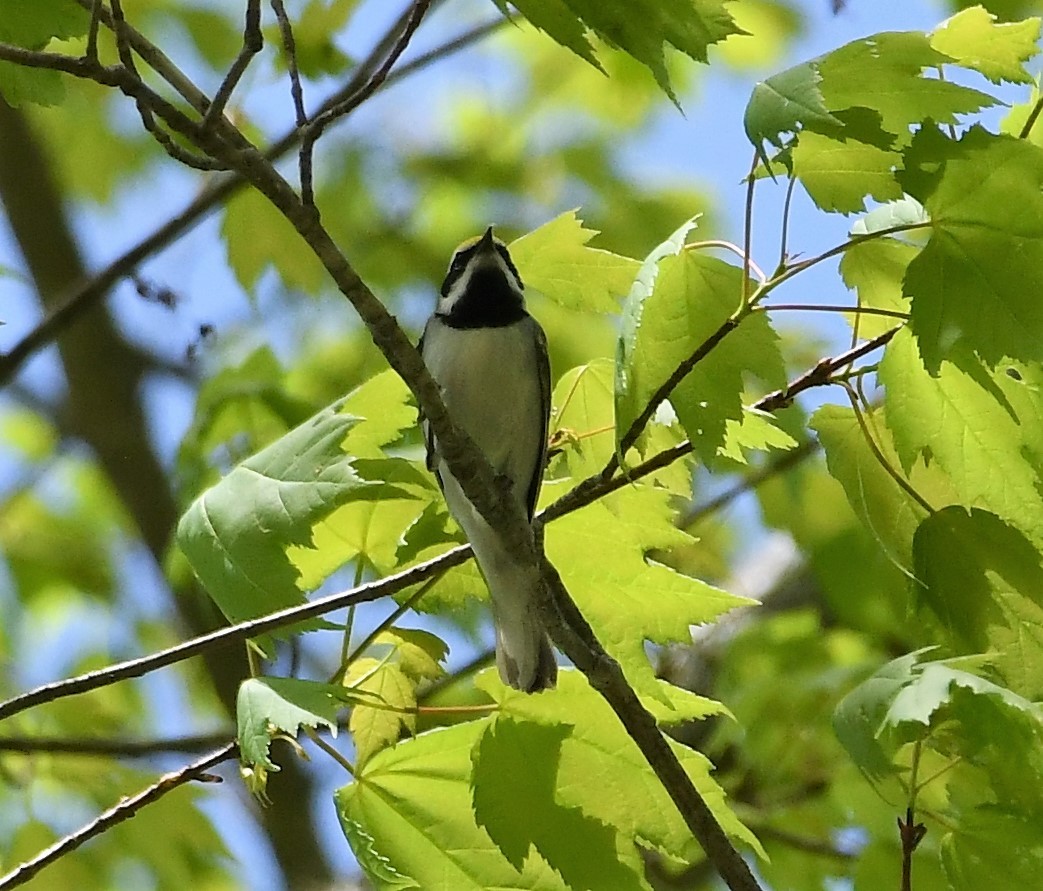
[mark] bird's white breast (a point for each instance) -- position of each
(491, 385)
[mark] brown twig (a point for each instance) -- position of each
(127, 808)
(111, 748)
(300, 116)
(596, 486)
(144, 105)
(317, 126)
(253, 43)
(134, 668)
(212, 196)
(576, 639)
(91, 50)
(1030, 121)
(911, 834)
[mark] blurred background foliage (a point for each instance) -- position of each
(231, 335)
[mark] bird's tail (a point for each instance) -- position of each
(523, 652)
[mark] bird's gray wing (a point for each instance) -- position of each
(429, 438)
(543, 370)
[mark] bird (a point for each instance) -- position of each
(489, 358)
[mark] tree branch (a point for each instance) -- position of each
(134, 668)
(91, 293)
(575, 637)
(597, 485)
(253, 42)
(109, 748)
(317, 126)
(126, 809)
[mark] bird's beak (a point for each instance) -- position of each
(487, 245)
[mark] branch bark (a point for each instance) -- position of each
(127, 808)
(105, 376)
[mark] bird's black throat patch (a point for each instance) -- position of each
(488, 302)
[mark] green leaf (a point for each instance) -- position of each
(839, 174)
(692, 297)
(411, 806)
(367, 851)
(627, 598)
(709, 400)
(584, 415)
(640, 28)
(875, 270)
(984, 582)
(30, 86)
(376, 726)
(629, 382)
(859, 715)
(236, 535)
(267, 706)
(786, 103)
(522, 816)
(32, 23)
(889, 513)
(991, 849)
(603, 773)
(555, 260)
(258, 236)
(885, 73)
(976, 281)
(755, 431)
(962, 419)
(906, 699)
(974, 39)
(903, 212)
(418, 653)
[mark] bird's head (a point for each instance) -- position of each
(482, 281)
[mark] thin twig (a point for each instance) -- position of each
(91, 51)
(836, 250)
(82, 300)
(784, 239)
(315, 128)
(253, 43)
(807, 844)
(1030, 121)
(126, 809)
(881, 458)
(780, 464)
(597, 486)
(134, 668)
(289, 46)
(734, 248)
(110, 748)
(176, 151)
(747, 231)
(819, 307)
(154, 57)
(329, 749)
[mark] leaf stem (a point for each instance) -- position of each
(747, 232)
(902, 482)
(729, 246)
(1030, 121)
(329, 749)
(818, 307)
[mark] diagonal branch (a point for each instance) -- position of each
(253, 42)
(317, 126)
(583, 494)
(135, 668)
(208, 199)
(127, 808)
